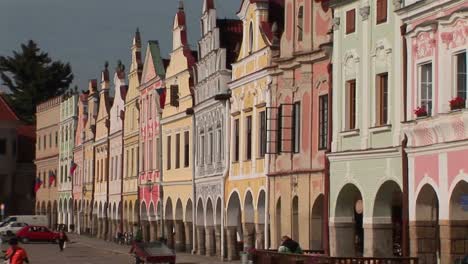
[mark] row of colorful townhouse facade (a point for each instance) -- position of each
(339, 123)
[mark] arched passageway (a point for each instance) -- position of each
(457, 225)
(169, 223)
(210, 245)
(260, 225)
(426, 227)
(387, 221)
(179, 227)
(249, 222)
(200, 227)
(189, 226)
(316, 223)
(278, 222)
(233, 226)
(348, 226)
(295, 218)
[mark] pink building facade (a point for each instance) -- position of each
(78, 157)
(152, 84)
(436, 37)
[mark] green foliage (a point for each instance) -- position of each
(32, 77)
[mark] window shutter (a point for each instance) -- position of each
(175, 95)
(350, 21)
(381, 11)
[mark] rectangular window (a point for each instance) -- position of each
(157, 154)
(177, 151)
(56, 138)
(381, 99)
(45, 142)
(351, 105)
(211, 142)
(323, 121)
(219, 147)
(150, 155)
(279, 132)
(2, 146)
(426, 87)
(350, 21)
(175, 95)
(202, 150)
(248, 131)
(381, 11)
(461, 75)
(50, 140)
(186, 149)
(143, 157)
(236, 140)
(168, 165)
(296, 133)
(262, 134)
(39, 142)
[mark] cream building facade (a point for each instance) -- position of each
(47, 157)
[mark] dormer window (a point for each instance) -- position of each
(300, 23)
(251, 37)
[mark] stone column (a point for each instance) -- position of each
(231, 242)
(210, 245)
(218, 240)
(179, 236)
(201, 240)
(249, 235)
(260, 236)
(169, 233)
(188, 237)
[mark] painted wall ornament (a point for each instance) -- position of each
(364, 12)
(336, 23)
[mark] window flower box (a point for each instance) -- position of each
(420, 112)
(457, 103)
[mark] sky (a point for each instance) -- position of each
(86, 33)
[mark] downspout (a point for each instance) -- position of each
(225, 172)
(326, 200)
(106, 213)
(161, 163)
(194, 122)
(267, 162)
(404, 155)
(121, 215)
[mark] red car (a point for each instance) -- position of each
(37, 233)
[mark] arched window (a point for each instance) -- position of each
(251, 37)
(300, 23)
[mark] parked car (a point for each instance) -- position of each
(11, 228)
(37, 233)
(39, 220)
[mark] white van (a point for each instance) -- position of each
(11, 228)
(39, 220)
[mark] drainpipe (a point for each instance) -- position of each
(161, 163)
(194, 122)
(326, 200)
(225, 172)
(106, 213)
(404, 155)
(122, 118)
(267, 171)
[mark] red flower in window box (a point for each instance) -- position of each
(457, 103)
(420, 111)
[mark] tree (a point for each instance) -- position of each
(32, 77)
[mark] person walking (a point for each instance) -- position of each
(62, 239)
(16, 254)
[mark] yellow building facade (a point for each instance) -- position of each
(177, 145)
(246, 186)
(131, 139)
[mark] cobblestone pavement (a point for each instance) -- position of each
(85, 250)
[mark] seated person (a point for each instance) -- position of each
(289, 246)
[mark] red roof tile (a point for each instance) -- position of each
(6, 111)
